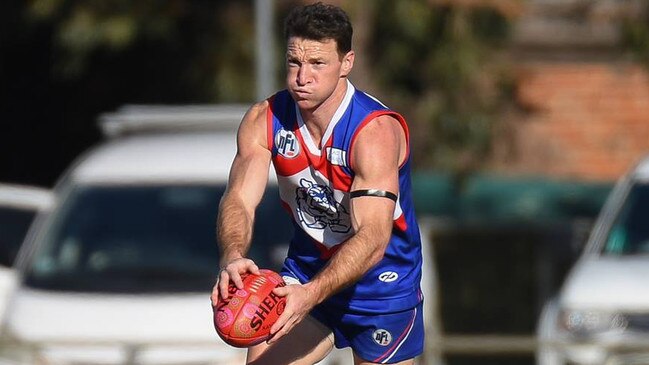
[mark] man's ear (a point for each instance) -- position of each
(347, 64)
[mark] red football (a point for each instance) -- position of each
(245, 317)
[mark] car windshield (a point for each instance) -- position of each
(630, 231)
(14, 223)
(146, 239)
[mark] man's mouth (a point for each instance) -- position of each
(301, 93)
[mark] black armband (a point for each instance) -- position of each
(373, 192)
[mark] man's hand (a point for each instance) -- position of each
(299, 302)
(232, 272)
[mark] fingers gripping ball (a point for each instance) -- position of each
(244, 318)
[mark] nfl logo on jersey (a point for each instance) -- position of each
(287, 144)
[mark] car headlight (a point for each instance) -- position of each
(591, 322)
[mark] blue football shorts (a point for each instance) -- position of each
(379, 338)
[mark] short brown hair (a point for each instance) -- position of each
(318, 22)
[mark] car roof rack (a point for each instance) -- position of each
(138, 119)
(25, 196)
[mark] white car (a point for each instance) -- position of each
(121, 270)
(601, 315)
(19, 204)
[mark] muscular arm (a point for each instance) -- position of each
(246, 185)
(376, 155)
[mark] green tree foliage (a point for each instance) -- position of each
(439, 61)
(214, 39)
(635, 34)
(442, 64)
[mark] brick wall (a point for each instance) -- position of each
(580, 121)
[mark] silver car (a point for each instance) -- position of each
(601, 315)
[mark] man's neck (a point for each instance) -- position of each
(317, 120)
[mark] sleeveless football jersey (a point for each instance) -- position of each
(314, 185)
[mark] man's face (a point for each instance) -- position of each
(314, 68)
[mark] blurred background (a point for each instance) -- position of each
(523, 115)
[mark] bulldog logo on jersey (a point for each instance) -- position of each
(318, 209)
(287, 143)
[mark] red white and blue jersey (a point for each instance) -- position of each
(314, 184)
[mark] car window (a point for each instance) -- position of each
(630, 232)
(14, 223)
(144, 239)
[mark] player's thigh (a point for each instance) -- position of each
(359, 361)
(307, 343)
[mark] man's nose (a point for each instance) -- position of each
(303, 75)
